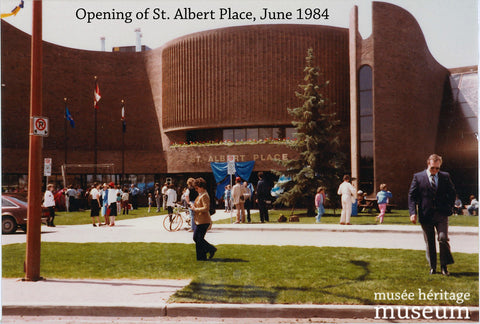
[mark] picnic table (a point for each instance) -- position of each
(370, 203)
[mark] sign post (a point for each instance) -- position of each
(47, 170)
(231, 171)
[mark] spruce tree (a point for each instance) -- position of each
(317, 141)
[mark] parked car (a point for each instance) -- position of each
(14, 213)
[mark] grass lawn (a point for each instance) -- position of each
(259, 274)
(396, 217)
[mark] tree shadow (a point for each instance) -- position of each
(364, 265)
(220, 293)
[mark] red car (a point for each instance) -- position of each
(14, 213)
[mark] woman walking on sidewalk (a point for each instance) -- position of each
(203, 221)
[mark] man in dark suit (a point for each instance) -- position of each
(263, 195)
(433, 192)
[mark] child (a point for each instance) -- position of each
(382, 200)
(319, 201)
(150, 202)
(227, 197)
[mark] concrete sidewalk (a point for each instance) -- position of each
(150, 229)
(148, 298)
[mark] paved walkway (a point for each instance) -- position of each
(148, 298)
(150, 229)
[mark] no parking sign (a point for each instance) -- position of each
(40, 126)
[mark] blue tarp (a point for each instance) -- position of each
(277, 190)
(242, 170)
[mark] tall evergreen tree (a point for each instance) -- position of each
(317, 141)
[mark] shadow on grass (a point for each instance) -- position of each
(364, 265)
(219, 293)
(167, 283)
(227, 260)
(463, 274)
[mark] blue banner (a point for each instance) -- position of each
(220, 172)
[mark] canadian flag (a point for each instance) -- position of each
(96, 96)
(124, 121)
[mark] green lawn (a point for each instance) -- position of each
(396, 217)
(258, 274)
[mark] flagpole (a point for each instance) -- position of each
(95, 135)
(123, 140)
(65, 128)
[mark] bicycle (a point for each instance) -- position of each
(174, 222)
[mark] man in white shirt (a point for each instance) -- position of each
(348, 193)
(238, 198)
(164, 195)
(171, 195)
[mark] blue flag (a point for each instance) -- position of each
(69, 117)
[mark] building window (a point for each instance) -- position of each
(366, 175)
(228, 135)
(291, 133)
(239, 134)
(252, 133)
(242, 134)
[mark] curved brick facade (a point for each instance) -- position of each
(69, 73)
(257, 68)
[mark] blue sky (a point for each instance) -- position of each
(450, 26)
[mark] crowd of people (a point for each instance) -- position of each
(106, 201)
(241, 198)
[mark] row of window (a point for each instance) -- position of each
(366, 128)
(243, 134)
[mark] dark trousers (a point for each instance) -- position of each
(135, 201)
(440, 224)
(51, 218)
(248, 206)
(262, 206)
(201, 245)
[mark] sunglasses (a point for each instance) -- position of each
(434, 168)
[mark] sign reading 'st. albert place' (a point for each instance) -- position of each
(265, 157)
(238, 158)
(246, 157)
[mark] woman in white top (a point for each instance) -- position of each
(348, 193)
(95, 204)
(112, 203)
(49, 202)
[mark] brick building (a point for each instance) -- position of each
(395, 102)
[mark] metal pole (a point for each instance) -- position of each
(66, 131)
(95, 136)
(34, 221)
(123, 141)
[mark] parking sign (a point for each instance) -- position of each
(40, 126)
